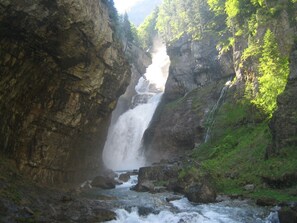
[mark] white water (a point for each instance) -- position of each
(185, 212)
(129, 204)
(122, 150)
(210, 119)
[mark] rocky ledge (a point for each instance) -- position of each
(171, 177)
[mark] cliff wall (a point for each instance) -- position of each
(196, 77)
(61, 72)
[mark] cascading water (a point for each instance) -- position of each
(210, 119)
(134, 207)
(122, 150)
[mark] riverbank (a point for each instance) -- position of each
(22, 201)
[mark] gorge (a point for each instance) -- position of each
(83, 91)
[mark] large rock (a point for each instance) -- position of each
(200, 193)
(196, 78)
(195, 184)
(125, 177)
(104, 182)
(61, 73)
(288, 215)
(156, 178)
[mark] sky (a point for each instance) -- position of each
(125, 5)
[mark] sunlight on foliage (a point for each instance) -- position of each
(147, 30)
(232, 8)
(274, 70)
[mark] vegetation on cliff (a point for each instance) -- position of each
(248, 20)
(237, 155)
(253, 31)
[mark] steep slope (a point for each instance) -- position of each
(250, 140)
(196, 78)
(284, 123)
(61, 73)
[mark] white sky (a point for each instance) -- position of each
(125, 5)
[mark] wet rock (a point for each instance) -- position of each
(103, 215)
(288, 215)
(173, 198)
(145, 186)
(266, 202)
(158, 173)
(104, 182)
(144, 211)
(200, 193)
(149, 178)
(124, 177)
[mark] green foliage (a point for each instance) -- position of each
(179, 17)
(147, 30)
(236, 155)
(217, 6)
(190, 172)
(232, 8)
(274, 70)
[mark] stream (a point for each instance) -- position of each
(123, 150)
(136, 207)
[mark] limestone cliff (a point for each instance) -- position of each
(61, 72)
(198, 73)
(196, 77)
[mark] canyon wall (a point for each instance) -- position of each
(199, 71)
(197, 75)
(62, 70)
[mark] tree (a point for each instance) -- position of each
(274, 70)
(127, 28)
(147, 30)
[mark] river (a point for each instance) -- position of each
(136, 207)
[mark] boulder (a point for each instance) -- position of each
(288, 215)
(145, 186)
(103, 215)
(104, 182)
(124, 177)
(155, 178)
(144, 211)
(266, 202)
(200, 193)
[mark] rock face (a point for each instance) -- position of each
(288, 214)
(153, 177)
(193, 184)
(61, 73)
(284, 123)
(196, 78)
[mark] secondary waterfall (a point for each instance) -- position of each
(210, 119)
(122, 150)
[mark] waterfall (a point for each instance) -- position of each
(122, 150)
(210, 119)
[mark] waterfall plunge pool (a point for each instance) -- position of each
(144, 207)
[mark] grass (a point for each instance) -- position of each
(235, 156)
